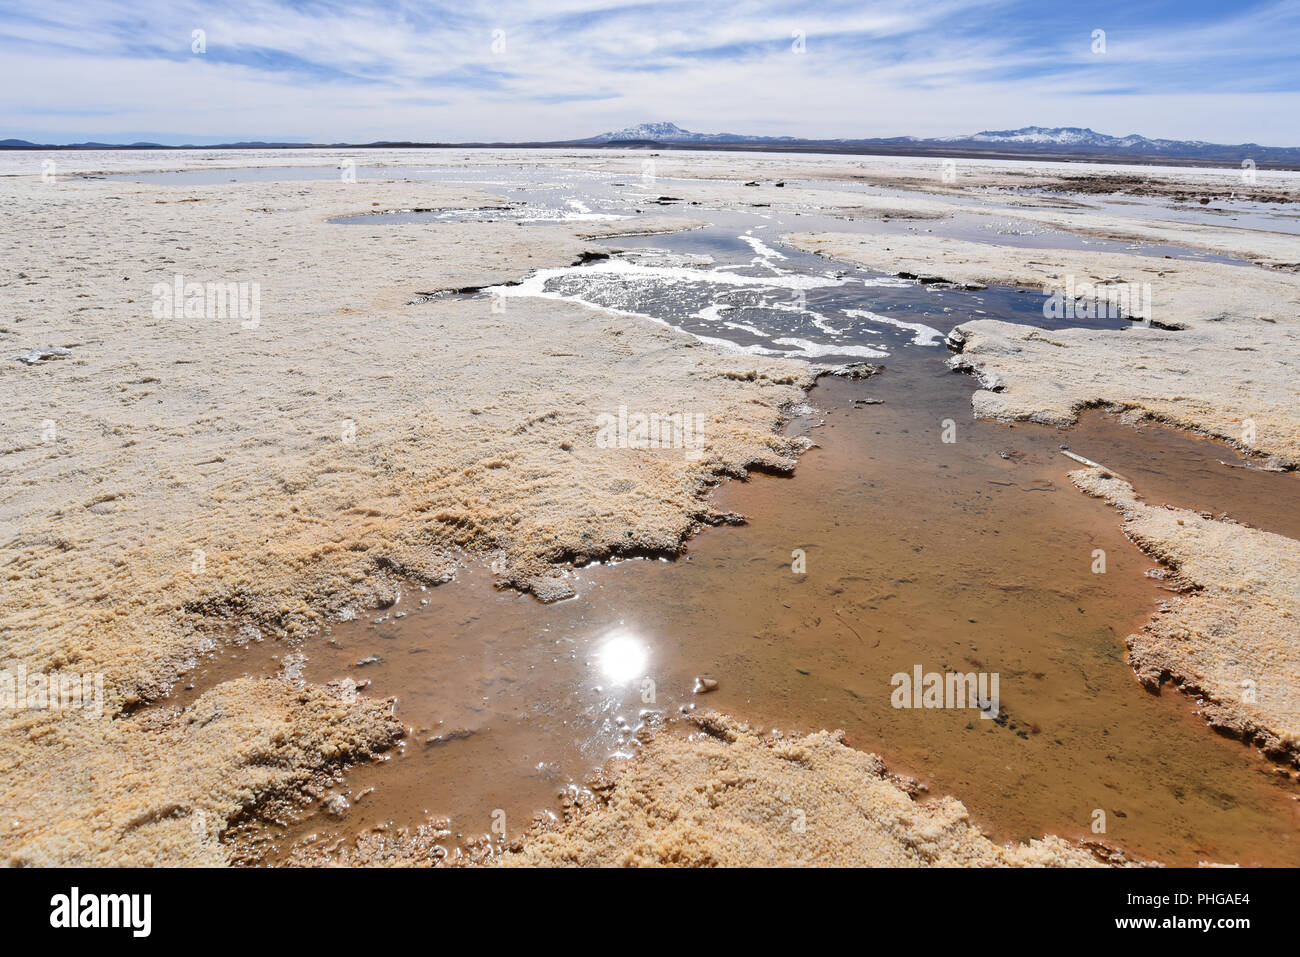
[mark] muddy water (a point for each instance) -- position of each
(1174, 467)
(974, 555)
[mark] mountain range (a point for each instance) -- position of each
(1036, 140)
(1041, 142)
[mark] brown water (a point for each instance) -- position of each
(970, 556)
(1173, 467)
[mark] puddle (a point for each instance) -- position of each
(1023, 234)
(1008, 230)
(733, 284)
(1170, 466)
(948, 556)
(523, 213)
(540, 195)
(554, 196)
(247, 174)
(1242, 214)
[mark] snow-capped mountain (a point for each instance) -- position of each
(657, 132)
(1066, 136)
(1059, 135)
(672, 133)
(1033, 140)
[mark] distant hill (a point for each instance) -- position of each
(1030, 142)
(26, 145)
(1071, 141)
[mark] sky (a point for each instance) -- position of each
(461, 71)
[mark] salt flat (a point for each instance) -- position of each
(176, 481)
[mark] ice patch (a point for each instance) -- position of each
(813, 350)
(817, 318)
(535, 285)
(794, 314)
(654, 256)
(924, 335)
(888, 282)
(762, 251)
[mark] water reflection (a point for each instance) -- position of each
(622, 658)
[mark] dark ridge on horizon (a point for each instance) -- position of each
(1033, 142)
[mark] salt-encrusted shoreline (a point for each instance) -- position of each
(730, 797)
(1221, 357)
(1229, 636)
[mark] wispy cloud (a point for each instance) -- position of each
(329, 71)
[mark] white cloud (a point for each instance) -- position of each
(333, 72)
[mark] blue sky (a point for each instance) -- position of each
(323, 71)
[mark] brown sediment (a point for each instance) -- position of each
(730, 797)
(1230, 637)
(726, 795)
(1028, 177)
(1133, 185)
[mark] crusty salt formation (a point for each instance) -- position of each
(1231, 636)
(730, 797)
(159, 789)
(176, 473)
